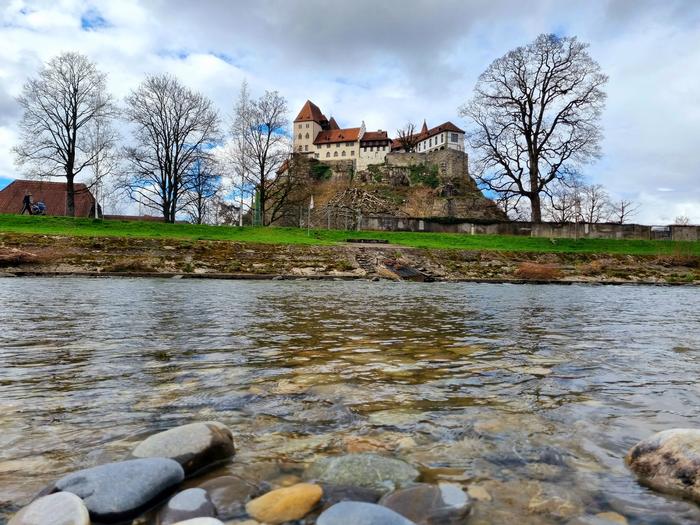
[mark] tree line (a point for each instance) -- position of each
(534, 123)
(68, 129)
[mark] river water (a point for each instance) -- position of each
(534, 393)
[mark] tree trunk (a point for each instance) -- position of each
(262, 201)
(70, 196)
(535, 204)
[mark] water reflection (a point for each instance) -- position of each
(533, 392)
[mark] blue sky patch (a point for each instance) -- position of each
(92, 20)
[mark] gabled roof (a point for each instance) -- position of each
(426, 133)
(310, 112)
(53, 194)
(332, 124)
(375, 135)
(337, 135)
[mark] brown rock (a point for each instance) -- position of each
(286, 504)
(669, 462)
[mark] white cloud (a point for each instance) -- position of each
(388, 62)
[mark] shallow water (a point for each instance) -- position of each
(533, 392)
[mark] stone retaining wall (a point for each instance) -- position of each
(553, 230)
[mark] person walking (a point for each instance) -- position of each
(27, 203)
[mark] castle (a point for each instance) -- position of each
(323, 139)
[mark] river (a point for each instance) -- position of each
(533, 392)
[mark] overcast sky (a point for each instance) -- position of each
(390, 61)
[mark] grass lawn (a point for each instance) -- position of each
(101, 228)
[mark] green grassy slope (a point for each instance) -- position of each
(96, 228)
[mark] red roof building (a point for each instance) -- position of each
(52, 194)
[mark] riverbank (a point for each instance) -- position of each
(107, 255)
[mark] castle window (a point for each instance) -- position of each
(352, 153)
(307, 135)
(342, 154)
(299, 136)
(315, 155)
(337, 144)
(430, 143)
(371, 148)
(306, 147)
(299, 126)
(335, 153)
(442, 139)
(328, 145)
(328, 154)
(307, 125)
(454, 137)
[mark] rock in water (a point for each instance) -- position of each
(333, 494)
(442, 504)
(190, 503)
(200, 521)
(360, 513)
(194, 446)
(121, 491)
(287, 504)
(62, 508)
(669, 462)
(229, 495)
(363, 470)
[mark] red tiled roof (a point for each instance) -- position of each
(375, 135)
(423, 135)
(332, 124)
(337, 135)
(53, 194)
(310, 112)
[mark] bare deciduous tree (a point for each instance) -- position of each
(407, 137)
(681, 220)
(535, 113)
(173, 125)
(102, 142)
(260, 146)
(621, 211)
(595, 203)
(62, 106)
(203, 184)
(564, 203)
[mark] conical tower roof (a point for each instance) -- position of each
(310, 112)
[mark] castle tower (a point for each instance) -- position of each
(309, 123)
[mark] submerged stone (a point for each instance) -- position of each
(669, 462)
(360, 513)
(190, 503)
(285, 504)
(229, 494)
(200, 521)
(442, 504)
(194, 446)
(62, 508)
(120, 491)
(333, 494)
(363, 470)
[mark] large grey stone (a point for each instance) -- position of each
(120, 491)
(194, 446)
(669, 462)
(442, 504)
(190, 503)
(361, 513)
(363, 470)
(62, 508)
